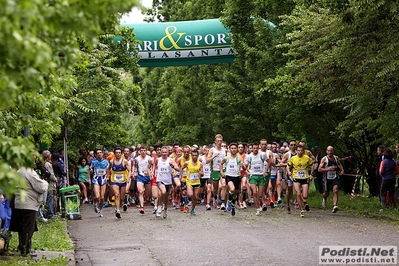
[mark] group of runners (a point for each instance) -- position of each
(221, 176)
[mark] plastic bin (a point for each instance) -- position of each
(70, 202)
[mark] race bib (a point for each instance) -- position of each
(184, 172)
(194, 177)
(101, 172)
(163, 170)
(257, 168)
(331, 175)
(119, 178)
(301, 174)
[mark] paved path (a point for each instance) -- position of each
(216, 238)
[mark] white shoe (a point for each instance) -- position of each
(159, 211)
(44, 220)
(222, 207)
(258, 212)
(100, 214)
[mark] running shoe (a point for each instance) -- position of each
(192, 212)
(296, 205)
(215, 204)
(264, 207)
(335, 209)
(165, 213)
(223, 207)
(307, 208)
(95, 209)
(182, 208)
(288, 209)
(302, 213)
(154, 210)
(251, 201)
(186, 210)
(208, 207)
(258, 211)
(244, 205)
(141, 210)
(228, 205)
(279, 201)
(100, 214)
(118, 214)
(233, 211)
(159, 211)
(85, 201)
(152, 202)
(124, 207)
(272, 204)
(324, 203)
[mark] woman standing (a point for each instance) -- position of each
(388, 170)
(23, 216)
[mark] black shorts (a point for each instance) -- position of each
(205, 181)
(168, 187)
(236, 181)
(301, 181)
(328, 184)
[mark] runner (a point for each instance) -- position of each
(331, 168)
(164, 166)
(268, 153)
(119, 171)
(289, 181)
(275, 176)
(256, 170)
(300, 167)
(194, 172)
(215, 156)
(128, 154)
(206, 178)
(143, 177)
(83, 173)
(176, 180)
(243, 177)
(232, 175)
(183, 177)
(99, 168)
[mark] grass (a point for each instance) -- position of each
(361, 204)
(50, 237)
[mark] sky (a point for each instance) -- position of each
(135, 15)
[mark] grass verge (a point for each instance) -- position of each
(50, 237)
(361, 204)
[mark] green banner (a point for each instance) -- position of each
(183, 43)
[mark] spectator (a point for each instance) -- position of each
(388, 170)
(5, 218)
(44, 174)
(52, 184)
(23, 216)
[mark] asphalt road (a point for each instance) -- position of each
(216, 238)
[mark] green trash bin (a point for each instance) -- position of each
(70, 202)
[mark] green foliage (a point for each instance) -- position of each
(38, 49)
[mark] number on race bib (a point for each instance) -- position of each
(194, 177)
(331, 174)
(101, 172)
(301, 174)
(119, 178)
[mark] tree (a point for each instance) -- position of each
(38, 49)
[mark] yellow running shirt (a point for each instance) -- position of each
(301, 166)
(193, 177)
